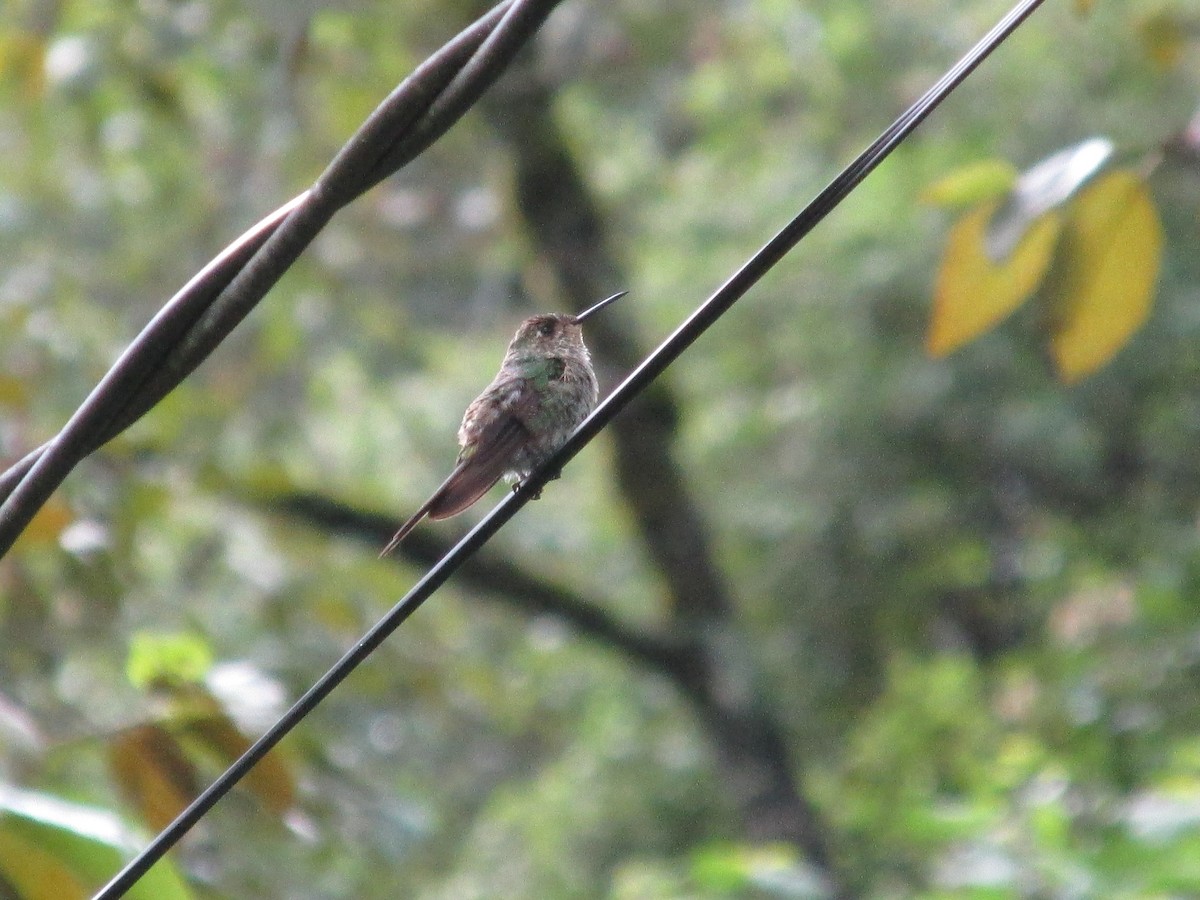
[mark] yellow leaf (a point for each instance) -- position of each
(1111, 252)
(34, 872)
(971, 184)
(22, 59)
(13, 392)
(973, 293)
(153, 773)
(1163, 37)
(47, 523)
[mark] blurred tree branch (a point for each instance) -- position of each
(494, 576)
(750, 744)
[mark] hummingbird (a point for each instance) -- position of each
(544, 389)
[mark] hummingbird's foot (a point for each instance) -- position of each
(537, 496)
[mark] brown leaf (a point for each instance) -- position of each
(153, 773)
(270, 780)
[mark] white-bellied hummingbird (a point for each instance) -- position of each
(544, 389)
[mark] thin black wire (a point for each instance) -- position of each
(203, 313)
(654, 364)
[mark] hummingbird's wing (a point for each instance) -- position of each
(477, 472)
(486, 459)
(495, 424)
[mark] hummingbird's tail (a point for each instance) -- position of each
(480, 465)
(467, 483)
(406, 528)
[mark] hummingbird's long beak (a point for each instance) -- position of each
(599, 306)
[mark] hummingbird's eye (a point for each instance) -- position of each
(546, 328)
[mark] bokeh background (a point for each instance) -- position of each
(820, 615)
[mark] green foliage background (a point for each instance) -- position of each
(967, 591)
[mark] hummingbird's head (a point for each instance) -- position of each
(548, 335)
(555, 333)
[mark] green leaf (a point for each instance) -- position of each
(720, 867)
(167, 658)
(733, 868)
(971, 184)
(34, 871)
(90, 843)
